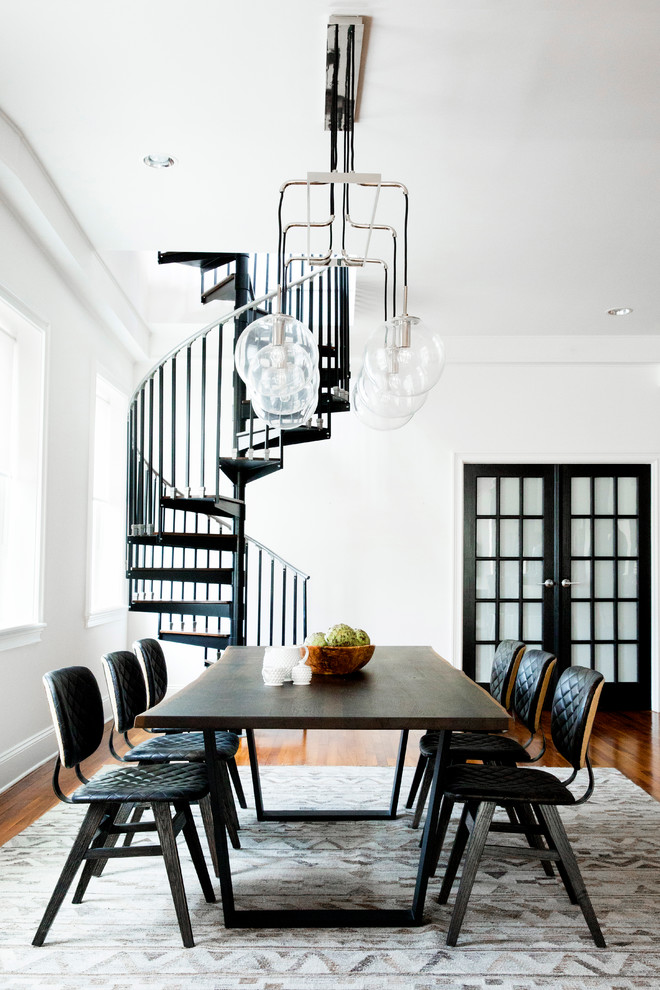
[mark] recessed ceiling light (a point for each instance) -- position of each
(159, 161)
(623, 311)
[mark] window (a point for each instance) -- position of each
(107, 571)
(21, 438)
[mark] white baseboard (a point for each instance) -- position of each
(33, 752)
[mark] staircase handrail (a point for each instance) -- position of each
(316, 273)
(276, 556)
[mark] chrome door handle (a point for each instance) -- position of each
(566, 583)
(549, 583)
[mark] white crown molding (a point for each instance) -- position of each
(31, 194)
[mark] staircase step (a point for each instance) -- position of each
(226, 289)
(195, 541)
(248, 468)
(217, 609)
(302, 434)
(195, 575)
(204, 260)
(212, 641)
(210, 506)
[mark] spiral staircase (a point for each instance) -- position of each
(195, 443)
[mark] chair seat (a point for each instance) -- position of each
(476, 746)
(506, 785)
(165, 782)
(182, 746)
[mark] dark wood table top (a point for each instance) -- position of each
(402, 687)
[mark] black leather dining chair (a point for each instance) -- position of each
(504, 680)
(77, 712)
(535, 793)
(127, 691)
(152, 661)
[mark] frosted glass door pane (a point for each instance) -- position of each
(532, 579)
(581, 578)
(627, 620)
(532, 621)
(509, 612)
(604, 620)
(603, 537)
(628, 662)
(510, 496)
(533, 537)
(604, 659)
(580, 621)
(627, 496)
(627, 579)
(604, 496)
(628, 543)
(484, 662)
(580, 537)
(486, 492)
(604, 579)
(533, 497)
(485, 625)
(581, 654)
(509, 538)
(485, 579)
(580, 496)
(509, 579)
(485, 538)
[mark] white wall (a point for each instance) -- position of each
(77, 345)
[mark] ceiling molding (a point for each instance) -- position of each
(31, 195)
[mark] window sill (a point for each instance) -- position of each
(12, 638)
(105, 615)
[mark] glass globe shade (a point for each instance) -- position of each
(404, 357)
(264, 331)
(387, 403)
(279, 375)
(371, 419)
(285, 417)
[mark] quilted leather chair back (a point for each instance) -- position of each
(128, 694)
(77, 710)
(154, 669)
(503, 672)
(573, 711)
(531, 687)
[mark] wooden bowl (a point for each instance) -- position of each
(338, 659)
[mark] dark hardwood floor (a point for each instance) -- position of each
(629, 741)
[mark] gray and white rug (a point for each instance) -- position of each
(520, 931)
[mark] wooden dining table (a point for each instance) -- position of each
(402, 688)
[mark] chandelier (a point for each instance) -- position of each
(276, 355)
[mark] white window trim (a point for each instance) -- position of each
(105, 615)
(11, 639)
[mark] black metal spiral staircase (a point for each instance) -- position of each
(194, 444)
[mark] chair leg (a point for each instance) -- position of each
(423, 793)
(207, 821)
(195, 849)
(236, 781)
(455, 856)
(231, 818)
(472, 857)
(83, 840)
(419, 773)
(563, 846)
(170, 853)
(104, 837)
(138, 811)
(444, 818)
(565, 879)
(534, 840)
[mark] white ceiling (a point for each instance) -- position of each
(527, 132)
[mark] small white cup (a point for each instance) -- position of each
(301, 673)
(283, 657)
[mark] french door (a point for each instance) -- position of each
(558, 556)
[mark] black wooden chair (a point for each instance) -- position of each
(77, 711)
(534, 795)
(506, 663)
(154, 670)
(127, 690)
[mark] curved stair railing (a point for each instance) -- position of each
(194, 443)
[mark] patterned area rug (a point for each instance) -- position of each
(520, 931)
